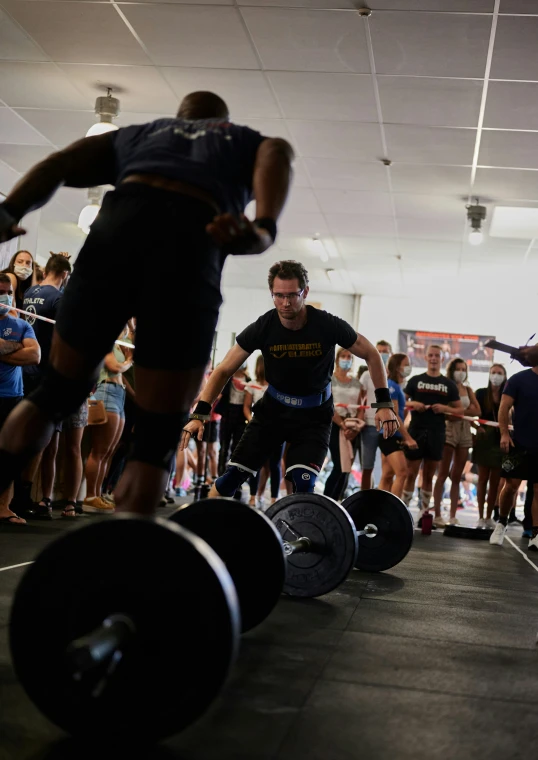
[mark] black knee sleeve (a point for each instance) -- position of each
(156, 437)
(58, 396)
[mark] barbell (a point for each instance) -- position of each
(138, 619)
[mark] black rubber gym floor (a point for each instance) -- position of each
(434, 659)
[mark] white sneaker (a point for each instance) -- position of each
(481, 523)
(533, 544)
(453, 521)
(438, 522)
(490, 523)
(497, 537)
(260, 502)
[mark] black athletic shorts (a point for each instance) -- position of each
(7, 404)
(391, 445)
(148, 256)
(431, 444)
(521, 464)
(306, 430)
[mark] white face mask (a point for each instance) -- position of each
(406, 371)
(23, 273)
(496, 378)
(460, 376)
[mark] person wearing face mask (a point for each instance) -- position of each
(369, 434)
(393, 461)
(487, 455)
(458, 440)
(20, 271)
(18, 348)
(430, 395)
(42, 300)
(346, 391)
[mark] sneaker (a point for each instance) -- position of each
(453, 521)
(481, 524)
(438, 522)
(497, 537)
(490, 523)
(109, 498)
(95, 505)
(533, 544)
(260, 502)
(527, 533)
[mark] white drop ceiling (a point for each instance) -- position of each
(446, 90)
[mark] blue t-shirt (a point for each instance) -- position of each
(398, 399)
(211, 154)
(43, 300)
(523, 388)
(15, 329)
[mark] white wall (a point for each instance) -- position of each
(510, 315)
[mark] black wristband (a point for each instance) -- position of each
(203, 408)
(382, 394)
(267, 224)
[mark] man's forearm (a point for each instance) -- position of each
(214, 386)
(9, 347)
(22, 358)
(504, 412)
(35, 188)
(272, 175)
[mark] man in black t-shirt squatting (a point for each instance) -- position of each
(298, 346)
(430, 395)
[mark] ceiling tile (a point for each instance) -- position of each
(72, 199)
(429, 206)
(354, 202)
(38, 85)
(519, 6)
(246, 92)
(449, 6)
(515, 149)
(309, 95)
(343, 225)
(438, 180)
(60, 127)
(515, 55)
(15, 45)
(429, 145)
(327, 173)
(512, 105)
(506, 184)
(430, 102)
(320, 4)
(23, 157)
(300, 176)
(13, 129)
(308, 40)
(430, 44)
(96, 32)
(351, 247)
(305, 225)
(429, 250)
(431, 228)
(191, 35)
(340, 140)
(140, 89)
(302, 200)
(8, 177)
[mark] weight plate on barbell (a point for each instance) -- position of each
(334, 539)
(250, 547)
(395, 528)
(183, 603)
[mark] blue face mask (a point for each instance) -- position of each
(385, 358)
(6, 302)
(345, 363)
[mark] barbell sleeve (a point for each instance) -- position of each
(302, 544)
(99, 647)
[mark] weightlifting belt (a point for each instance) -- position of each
(302, 402)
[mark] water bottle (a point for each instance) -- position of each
(427, 523)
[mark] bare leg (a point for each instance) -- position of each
(159, 392)
(102, 439)
(481, 488)
(428, 472)
(212, 455)
(509, 492)
(387, 474)
(413, 467)
(73, 462)
(5, 511)
(108, 457)
(398, 464)
(460, 458)
(48, 467)
(493, 493)
(366, 480)
(442, 475)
